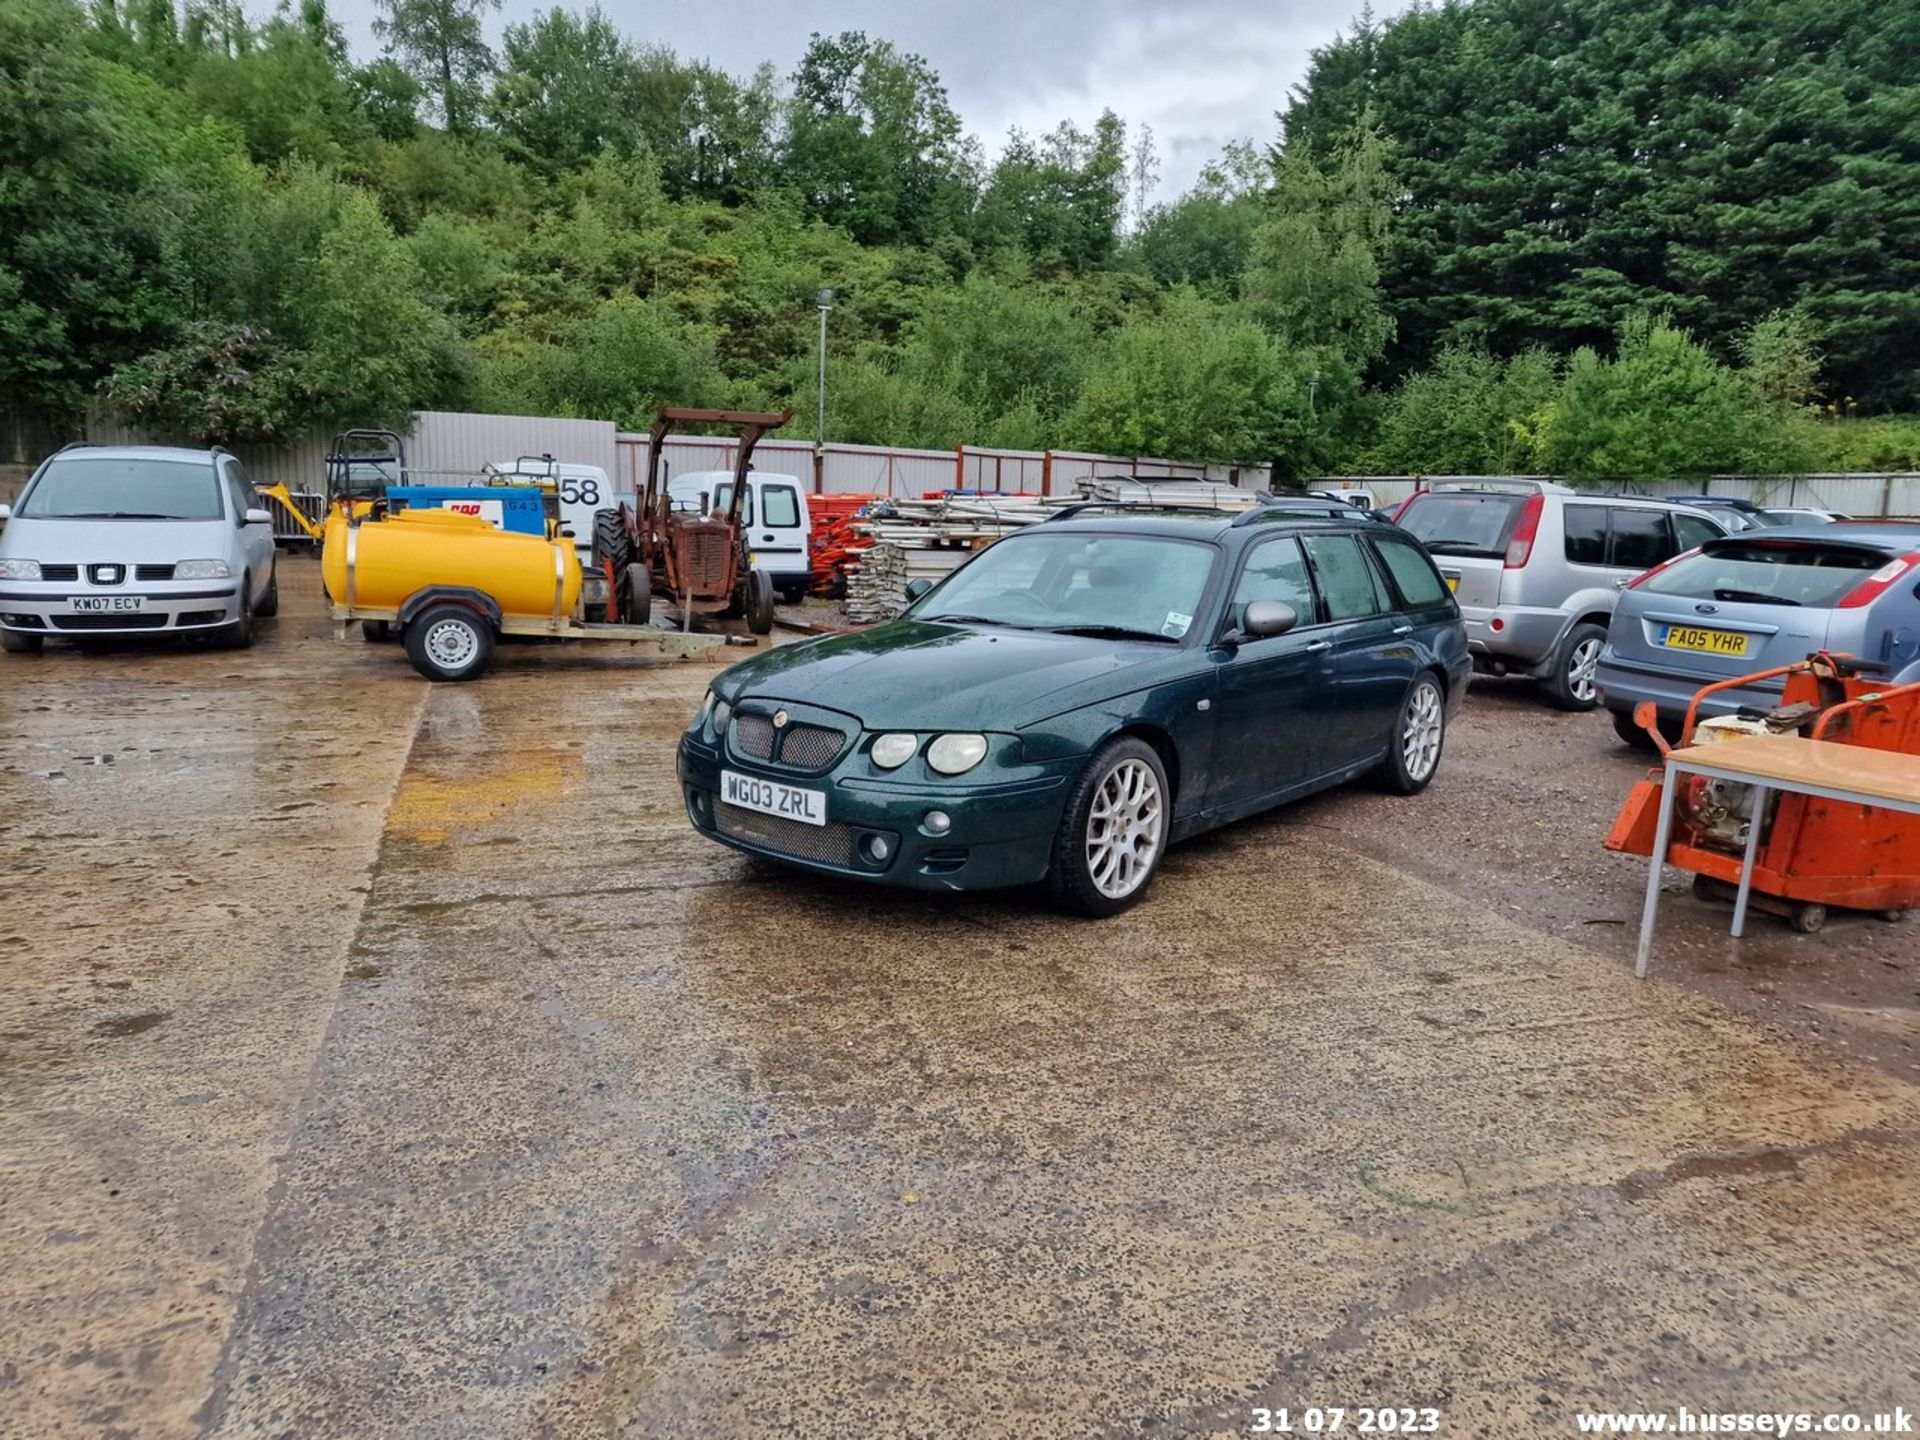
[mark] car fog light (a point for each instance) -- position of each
(876, 848)
(936, 822)
(890, 752)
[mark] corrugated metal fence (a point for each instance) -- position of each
(1894, 495)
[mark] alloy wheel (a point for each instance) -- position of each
(1582, 665)
(1124, 828)
(1420, 738)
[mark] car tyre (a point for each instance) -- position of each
(1114, 831)
(1419, 735)
(759, 602)
(1571, 685)
(239, 635)
(15, 642)
(269, 605)
(450, 642)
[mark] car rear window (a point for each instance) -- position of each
(95, 488)
(1460, 524)
(782, 504)
(1420, 584)
(1767, 573)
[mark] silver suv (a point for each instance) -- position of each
(1537, 568)
(135, 540)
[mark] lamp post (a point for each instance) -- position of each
(825, 301)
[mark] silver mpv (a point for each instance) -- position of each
(1538, 566)
(135, 540)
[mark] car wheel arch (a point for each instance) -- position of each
(1163, 745)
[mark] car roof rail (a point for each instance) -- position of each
(78, 445)
(1293, 507)
(1147, 506)
(1525, 484)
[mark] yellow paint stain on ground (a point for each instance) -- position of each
(459, 791)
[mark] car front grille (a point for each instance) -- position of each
(109, 622)
(828, 844)
(753, 737)
(61, 573)
(153, 572)
(793, 747)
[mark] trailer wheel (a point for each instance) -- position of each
(636, 597)
(450, 642)
(759, 602)
(1808, 918)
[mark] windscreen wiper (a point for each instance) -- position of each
(1754, 597)
(115, 515)
(1114, 632)
(968, 620)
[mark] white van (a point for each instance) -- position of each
(773, 516)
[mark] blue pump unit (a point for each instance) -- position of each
(522, 511)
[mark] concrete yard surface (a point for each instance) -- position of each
(385, 1059)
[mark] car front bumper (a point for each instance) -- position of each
(50, 608)
(1001, 834)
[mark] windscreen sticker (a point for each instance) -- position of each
(1176, 624)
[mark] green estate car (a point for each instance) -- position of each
(1082, 694)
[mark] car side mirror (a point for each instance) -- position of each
(256, 517)
(1269, 617)
(917, 588)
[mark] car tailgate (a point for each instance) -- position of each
(1475, 581)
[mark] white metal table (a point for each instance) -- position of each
(1788, 764)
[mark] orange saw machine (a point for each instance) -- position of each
(1813, 853)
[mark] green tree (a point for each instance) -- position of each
(562, 92)
(1563, 163)
(1061, 200)
(441, 45)
(77, 261)
(1196, 384)
(1470, 413)
(1662, 407)
(872, 143)
(1206, 238)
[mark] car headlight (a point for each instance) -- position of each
(957, 754)
(892, 751)
(722, 713)
(19, 569)
(700, 715)
(202, 570)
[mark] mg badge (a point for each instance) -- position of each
(779, 719)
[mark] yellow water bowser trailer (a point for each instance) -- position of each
(450, 585)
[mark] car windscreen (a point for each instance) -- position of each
(1462, 524)
(1148, 585)
(93, 488)
(1767, 572)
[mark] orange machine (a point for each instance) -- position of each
(1813, 852)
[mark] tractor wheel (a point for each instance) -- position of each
(759, 602)
(612, 540)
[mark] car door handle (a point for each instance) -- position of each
(1403, 629)
(1319, 647)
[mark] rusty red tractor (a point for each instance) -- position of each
(691, 551)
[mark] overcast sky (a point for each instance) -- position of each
(1200, 73)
